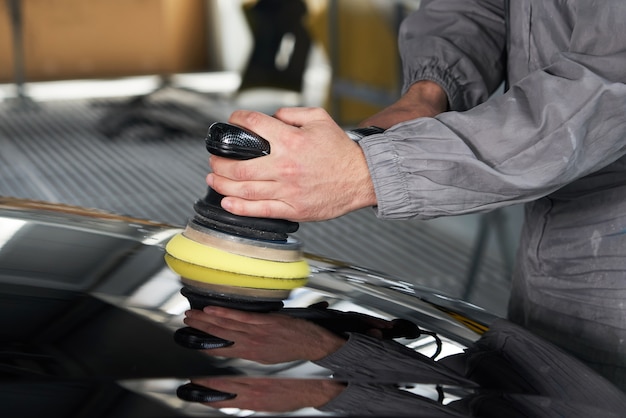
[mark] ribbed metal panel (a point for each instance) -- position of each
(57, 153)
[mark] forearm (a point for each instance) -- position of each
(363, 357)
(512, 149)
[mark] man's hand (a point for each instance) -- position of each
(314, 171)
(266, 338)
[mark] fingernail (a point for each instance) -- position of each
(227, 204)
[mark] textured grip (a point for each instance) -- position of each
(192, 392)
(231, 141)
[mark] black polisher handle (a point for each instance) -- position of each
(198, 340)
(192, 392)
(231, 141)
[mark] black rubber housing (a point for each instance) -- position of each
(210, 213)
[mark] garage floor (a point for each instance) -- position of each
(146, 158)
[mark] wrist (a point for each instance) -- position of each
(427, 95)
(328, 343)
(423, 99)
(365, 193)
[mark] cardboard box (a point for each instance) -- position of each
(77, 39)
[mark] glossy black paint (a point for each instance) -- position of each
(88, 311)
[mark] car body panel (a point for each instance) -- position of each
(89, 309)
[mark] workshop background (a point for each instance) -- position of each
(105, 104)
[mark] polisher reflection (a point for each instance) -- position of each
(507, 372)
(237, 307)
(371, 370)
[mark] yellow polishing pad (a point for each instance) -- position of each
(201, 256)
(226, 278)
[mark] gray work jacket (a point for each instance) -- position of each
(556, 138)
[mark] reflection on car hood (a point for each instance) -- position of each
(89, 309)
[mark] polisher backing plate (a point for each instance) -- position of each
(203, 256)
(284, 251)
(200, 274)
(238, 292)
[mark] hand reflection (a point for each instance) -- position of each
(507, 372)
(267, 338)
(271, 394)
(280, 395)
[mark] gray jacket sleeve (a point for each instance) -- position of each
(373, 371)
(562, 120)
(367, 358)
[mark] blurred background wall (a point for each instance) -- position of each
(78, 39)
(102, 39)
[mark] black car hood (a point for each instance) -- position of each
(89, 309)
